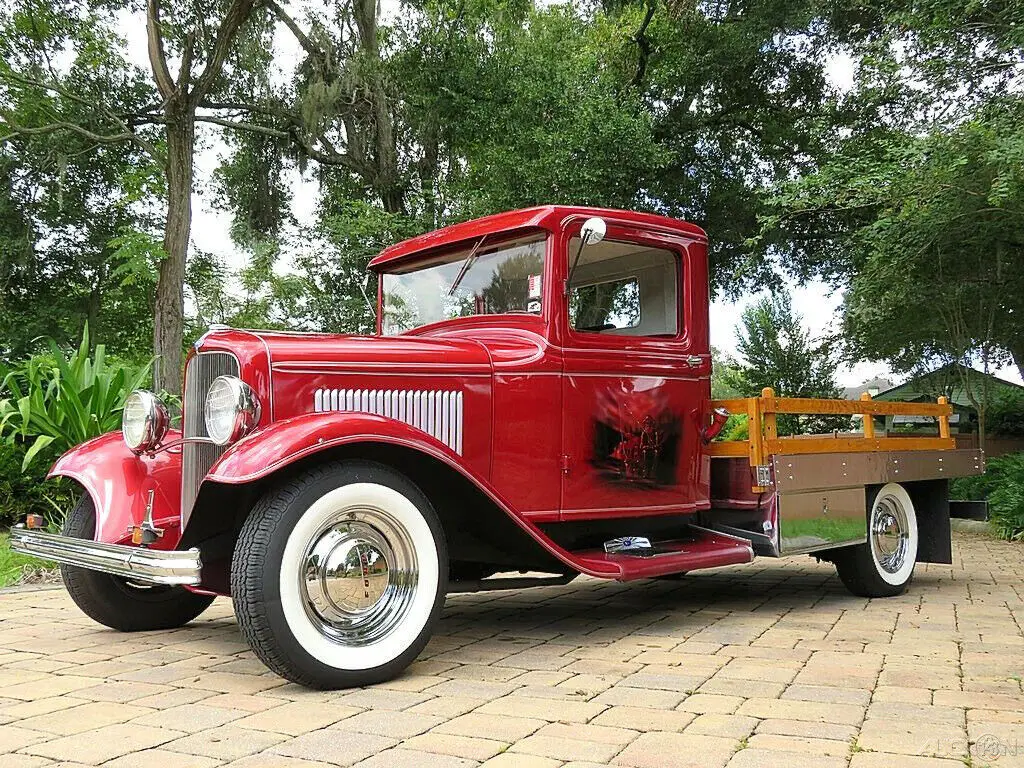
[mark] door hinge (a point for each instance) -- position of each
(565, 462)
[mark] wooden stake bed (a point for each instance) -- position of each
(764, 440)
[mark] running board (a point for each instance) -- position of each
(703, 549)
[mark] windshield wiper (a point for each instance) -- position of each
(466, 265)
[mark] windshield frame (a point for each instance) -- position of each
(493, 241)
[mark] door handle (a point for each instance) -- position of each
(694, 361)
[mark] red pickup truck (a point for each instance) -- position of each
(536, 399)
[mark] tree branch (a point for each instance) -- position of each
(157, 57)
(640, 38)
(304, 40)
(112, 138)
(114, 117)
(236, 16)
(242, 125)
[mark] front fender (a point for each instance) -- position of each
(119, 483)
(284, 442)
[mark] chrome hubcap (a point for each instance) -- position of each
(890, 534)
(359, 576)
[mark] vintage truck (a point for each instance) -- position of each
(536, 399)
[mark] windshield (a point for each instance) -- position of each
(498, 278)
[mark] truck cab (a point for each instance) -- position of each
(536, 399)
(599, 353)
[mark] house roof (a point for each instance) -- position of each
(875, 385)
(948, 380)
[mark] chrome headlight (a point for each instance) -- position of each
(144, 421)
(232, 410)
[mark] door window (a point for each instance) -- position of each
(626, 289)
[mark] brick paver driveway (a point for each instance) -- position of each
(771, 664)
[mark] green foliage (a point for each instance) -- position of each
(1005, 416)
(778, 352)
(1006, 501)
(725, 373)
(15, 567)
(25, 491)
(54, 402)
(1003, 486)
(927, 231)
(65, 195)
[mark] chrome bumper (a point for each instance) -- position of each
(153, 566)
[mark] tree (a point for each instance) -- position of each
(339, 114)
(926, 233)
(777, 351)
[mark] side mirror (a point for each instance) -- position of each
(591, 233)
(593, 230)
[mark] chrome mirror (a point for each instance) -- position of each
(591, 233)
(593, 230)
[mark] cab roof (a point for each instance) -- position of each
(549, 217)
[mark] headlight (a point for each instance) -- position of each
(232, 410)
(144, 421)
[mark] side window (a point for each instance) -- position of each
(626, 289)
(614, 304)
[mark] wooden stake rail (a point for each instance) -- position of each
(764, 437)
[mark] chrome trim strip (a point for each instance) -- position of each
(154, 566)
(439, 413)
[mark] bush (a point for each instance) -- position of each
(28, 491)
(1006, 502)
(1005, 415)
(49, 404)
(57, 402)
(1003, 486)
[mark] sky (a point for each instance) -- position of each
(816, 301)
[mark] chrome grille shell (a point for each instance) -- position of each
(198, 457)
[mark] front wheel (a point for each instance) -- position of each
(121, 603)
(884, 565)
(339, 575)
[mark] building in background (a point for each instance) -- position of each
(1003, 404)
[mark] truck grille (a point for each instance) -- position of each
(197, 458)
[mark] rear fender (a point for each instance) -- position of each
(120, 482)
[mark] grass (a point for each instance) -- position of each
(16, 567)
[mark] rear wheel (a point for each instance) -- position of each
(884, 565)
(120, 603)
(339, 576)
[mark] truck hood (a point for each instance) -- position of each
(410, 354)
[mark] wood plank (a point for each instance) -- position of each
(816, 444)
(809, 405)
(727, 448)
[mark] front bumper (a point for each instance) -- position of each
(153, 566)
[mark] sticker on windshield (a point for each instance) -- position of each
(533, 306)
(534, 292)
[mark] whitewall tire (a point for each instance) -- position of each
(884, 565)
(339, 575)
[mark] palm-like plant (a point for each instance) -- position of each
(61, 401)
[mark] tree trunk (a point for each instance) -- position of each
(169, 308)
